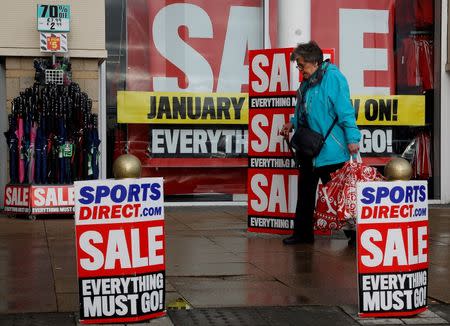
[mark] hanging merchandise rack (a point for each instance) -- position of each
(53, 141)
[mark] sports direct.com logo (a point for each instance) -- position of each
(393, 203)
(130, 201)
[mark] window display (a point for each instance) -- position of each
(53, 140)
(385, 48)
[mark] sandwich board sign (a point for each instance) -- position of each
(392, 252)
(119, 226)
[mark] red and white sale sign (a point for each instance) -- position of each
(362, 33)
(37, 199)
(120, 249)
(51, 199)
(194, 46)
(17, 199)
(264, 131)
(392, 230)
(272, 199)
(272, 174)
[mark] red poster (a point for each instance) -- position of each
(37, 199)
(195, 46)
(51, 199)
(271, 73)
(17, 199)
(272, 176)
(274, 192)
(264, 137)
(53, 43)
(177, 46)
(362, 34)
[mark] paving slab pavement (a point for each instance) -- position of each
(308, 315)
(214, 264)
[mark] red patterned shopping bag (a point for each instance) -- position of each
(326, 213)
(336, 201)
(352, 172)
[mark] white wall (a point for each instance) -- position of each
(19, 35)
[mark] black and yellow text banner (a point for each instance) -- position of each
(390, 110)
(182, 108)
(232, 108)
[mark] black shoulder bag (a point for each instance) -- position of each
(308, 143)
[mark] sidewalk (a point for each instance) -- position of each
(228, 276)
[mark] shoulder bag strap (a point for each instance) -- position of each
(329, 130)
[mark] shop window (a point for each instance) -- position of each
(385, 48)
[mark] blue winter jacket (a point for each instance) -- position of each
(323, 102)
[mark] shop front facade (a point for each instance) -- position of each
(173, 88)
(178, 77)
(52, 73)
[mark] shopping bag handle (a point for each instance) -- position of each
(357, 158)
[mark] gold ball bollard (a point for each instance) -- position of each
(398, 169)
(127, 166)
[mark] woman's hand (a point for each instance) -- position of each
(286, 129)
(353, 148)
